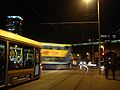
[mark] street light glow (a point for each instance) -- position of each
(102, 46)
(87, 1)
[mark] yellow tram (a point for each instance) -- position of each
(19, 59)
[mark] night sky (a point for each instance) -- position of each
(37, 12)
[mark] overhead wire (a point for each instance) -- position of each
(37, 13)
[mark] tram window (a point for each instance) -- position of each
(53, 59)
(2, 51)
(2, 60)
(66, 48)
(47, 47)
(28, 57)
(58, 48)
(37, 56)
(15, 56)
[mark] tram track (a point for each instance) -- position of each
(78, 83)
(87, 69)
(50, 74)
(86, 81)
(65, 80)
(57, 83)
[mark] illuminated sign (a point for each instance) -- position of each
(113, 36)
(53, 53)
(15, 17)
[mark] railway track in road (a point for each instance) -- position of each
(79, 77)
(80, 80)
(86, 82)
(60, 80)
(46, 73)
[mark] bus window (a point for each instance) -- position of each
(2, 61)
(15, 56)
(28, 57)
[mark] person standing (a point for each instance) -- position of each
(107, 68)
(113, 68)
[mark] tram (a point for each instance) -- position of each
(55, 56)
(19, 59)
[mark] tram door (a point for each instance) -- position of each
(2, 62)
(37, 64)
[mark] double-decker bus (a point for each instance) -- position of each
(19, 59)
(55, 56)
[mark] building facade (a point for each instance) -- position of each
(12, 23)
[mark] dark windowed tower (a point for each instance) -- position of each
(12, 23)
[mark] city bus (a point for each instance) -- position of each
(55, 55)
(19, 59)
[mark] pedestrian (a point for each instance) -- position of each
(107, 68)
(113, 68)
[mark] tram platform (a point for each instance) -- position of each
(60, 80)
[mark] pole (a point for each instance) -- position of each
(99, 61)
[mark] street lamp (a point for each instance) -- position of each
(102, 47)
(98, 11)
(98, 7)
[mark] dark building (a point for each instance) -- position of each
(12, 23)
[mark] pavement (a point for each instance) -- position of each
(101, 83)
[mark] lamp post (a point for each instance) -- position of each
(98, 9)
(98, 12)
